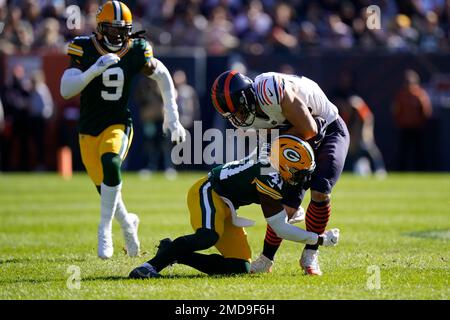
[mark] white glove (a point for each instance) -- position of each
(104, 62)
(298, 216)
(178, 133)
(330, 238)
(74, 81)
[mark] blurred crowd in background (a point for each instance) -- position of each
(252, 26)
(28, 114)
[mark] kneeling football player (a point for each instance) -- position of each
(213, 201)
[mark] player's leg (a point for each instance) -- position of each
(114, 146)
(129, 222)
(89, 147)
(207, 216)
(215, 264)
(234, 258)
(235, 252)
(232, 244)
(330, 159)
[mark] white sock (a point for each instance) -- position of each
(121, 214)
(109, 198)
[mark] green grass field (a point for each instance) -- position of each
(399, 226)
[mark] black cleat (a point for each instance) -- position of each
(144, 272)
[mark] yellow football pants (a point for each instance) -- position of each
(208, 210)
(114, 139)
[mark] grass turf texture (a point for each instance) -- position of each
(401, 225)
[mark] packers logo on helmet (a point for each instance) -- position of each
(293, 158)
(292, 155)
(114, 23)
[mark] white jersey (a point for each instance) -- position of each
(269, 89)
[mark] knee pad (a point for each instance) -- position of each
(111, 164)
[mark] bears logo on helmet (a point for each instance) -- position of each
(293, 158)
(114, 23)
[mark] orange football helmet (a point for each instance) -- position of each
(293, 158)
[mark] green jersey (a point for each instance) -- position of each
(104, 101)
(243, 181)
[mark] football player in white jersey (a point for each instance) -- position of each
(296, 105)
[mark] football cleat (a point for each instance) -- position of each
(145, 271)
(261, 265)
(309, 262)
(105, 243)
(131, 236)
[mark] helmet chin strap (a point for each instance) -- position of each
(111, 46)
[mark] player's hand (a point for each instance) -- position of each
(105, 61)
(178, 133)
(330, 238)
(321, 131)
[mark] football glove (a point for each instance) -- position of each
(178, 133)
(104, 62)
(330, 238)
(321, 131)
(74, 81)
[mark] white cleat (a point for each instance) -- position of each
(105, 243)
(309, 262)
(130, 234)
(261, 265)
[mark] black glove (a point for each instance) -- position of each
(321, 130)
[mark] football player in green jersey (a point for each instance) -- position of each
(213, 202)
(102, 69)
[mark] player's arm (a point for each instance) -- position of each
(277, 219)
(156, 70)
(297, 113)
(74, 80)
(305, 125)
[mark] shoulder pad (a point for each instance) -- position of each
(269, 88)
(82, 38)
(270, 184)
(76, 46)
